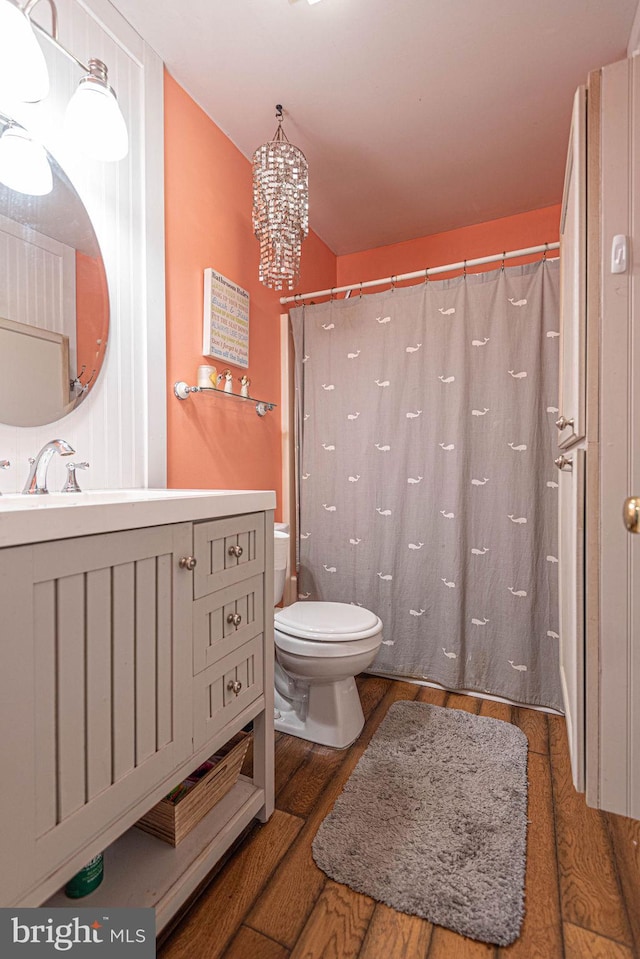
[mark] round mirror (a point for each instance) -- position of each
(54, 303)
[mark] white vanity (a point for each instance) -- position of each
(134, 644)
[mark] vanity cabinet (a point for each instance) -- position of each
(122, 672)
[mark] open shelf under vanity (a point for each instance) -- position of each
(141, 870)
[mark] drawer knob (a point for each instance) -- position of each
(234, 686)
(563, 422)
(234, 618)
(564, 463)
(187, 562)
(235, 551)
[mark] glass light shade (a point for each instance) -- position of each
(24, 166)
(94, 123)
(23, 71)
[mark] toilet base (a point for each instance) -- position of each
(334, 716)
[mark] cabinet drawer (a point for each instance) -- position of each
(215, 702)
(227, 551)
(226, 619)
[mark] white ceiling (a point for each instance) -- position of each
(416, 116)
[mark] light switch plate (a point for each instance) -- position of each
(619, 257)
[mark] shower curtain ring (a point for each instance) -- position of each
(393, 283)
(464, 270)
(426, 275)
(332, 297)
(544, 255)
(504, 253)
(360, 287)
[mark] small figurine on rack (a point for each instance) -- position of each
(245, 383)
(227, 376)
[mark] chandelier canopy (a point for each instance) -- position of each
(280, 208)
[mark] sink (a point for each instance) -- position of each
(32, 519)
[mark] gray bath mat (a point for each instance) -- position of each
(433, 821)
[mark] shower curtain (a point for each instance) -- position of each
(427, 488)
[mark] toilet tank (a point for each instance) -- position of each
(280, 559)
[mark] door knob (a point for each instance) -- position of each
(234, 618)
(235, 551)
(563, 422)
(564, 463)
(234, 686)
(187, 562)
(631, 514)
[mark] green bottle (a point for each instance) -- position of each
(88, 879)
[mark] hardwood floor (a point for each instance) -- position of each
(270, 901)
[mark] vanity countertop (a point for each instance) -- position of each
(33, 519)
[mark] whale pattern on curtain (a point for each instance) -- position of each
(427, 488)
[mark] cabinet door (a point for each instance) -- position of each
(95, 688)
(571, 592)
(573, 249)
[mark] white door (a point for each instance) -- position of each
(616, 736)
(633, 803)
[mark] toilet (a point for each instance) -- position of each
(320, 647)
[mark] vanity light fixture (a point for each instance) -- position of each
(23, 71)
(93, 118)
(24, 166)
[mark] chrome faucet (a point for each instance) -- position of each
(71, 485)
(37, 480)
(4, 465)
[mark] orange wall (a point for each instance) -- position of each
(215, 442)
(508, 233)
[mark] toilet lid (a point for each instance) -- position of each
(333, 622)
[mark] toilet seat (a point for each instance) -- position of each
(327, 622)
(326, 630)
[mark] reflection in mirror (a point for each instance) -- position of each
(54, 303)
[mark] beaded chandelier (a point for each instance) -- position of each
(280, 208)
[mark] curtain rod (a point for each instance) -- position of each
(423, 274)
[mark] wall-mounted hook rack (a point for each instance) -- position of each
(181, 390)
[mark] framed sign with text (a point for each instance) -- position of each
(226, 320)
